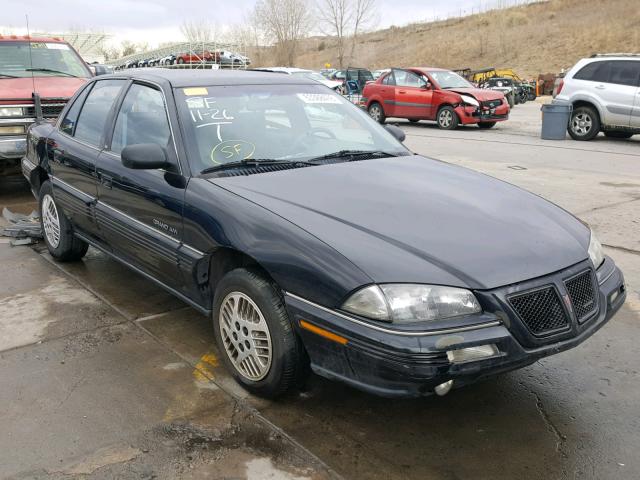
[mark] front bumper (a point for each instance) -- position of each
(403, 363)
(470, 115)
(13, 147)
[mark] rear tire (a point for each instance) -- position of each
(584, 123)
(180, 61)
(447, 118)
(57, 230)
(255, 336)
(486, 125)
(615, 134)
(377, 112)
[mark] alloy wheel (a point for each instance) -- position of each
(51, 221)
(445, 118)
(245, 336)
(581, 124)
(374, 112)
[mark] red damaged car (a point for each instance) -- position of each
(433, 94)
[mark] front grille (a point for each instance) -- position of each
(492, 103)
(582, 294)
(540, 310)
(48, 110)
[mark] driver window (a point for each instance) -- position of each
(408, 79)
(142, 119)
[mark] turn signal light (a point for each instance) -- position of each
(471, 354)
(323, 333)
(12, 130)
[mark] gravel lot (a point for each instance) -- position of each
(104, 375)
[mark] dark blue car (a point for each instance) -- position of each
(311, 236)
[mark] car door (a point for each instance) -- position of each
(387, 91)
(620, 90)
(74, 149)
(608, 81)
(140, 211)
(412, 99)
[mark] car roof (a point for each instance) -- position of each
(196, 78)
(286, 69)
(430, 69)
(24, 38)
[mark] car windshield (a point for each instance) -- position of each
(311, 75)
(449, 79)
(275, 122)
(42, 59)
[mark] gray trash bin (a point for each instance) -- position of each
(555, 119)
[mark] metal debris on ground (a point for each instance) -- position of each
(24, 229)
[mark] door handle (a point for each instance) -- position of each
(106, 180)
(600, 87)
(402, 91)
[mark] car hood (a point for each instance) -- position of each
(480, 94)
(47, 87)
(416, 220)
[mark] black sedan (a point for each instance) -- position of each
(312, 236)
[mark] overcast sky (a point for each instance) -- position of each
(157, 21)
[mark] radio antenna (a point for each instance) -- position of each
(37, 104)
(30, 54)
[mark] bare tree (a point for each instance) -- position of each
(364, 15)
(336, 16)
(284, 22)
(198, 31)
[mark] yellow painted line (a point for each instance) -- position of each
(203, 372)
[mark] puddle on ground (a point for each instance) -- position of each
(24, 317)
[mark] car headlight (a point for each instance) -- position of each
(595, 251)
(11, 112)
(408, 303)
(470, 100)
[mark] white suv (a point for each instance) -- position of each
(605, 93)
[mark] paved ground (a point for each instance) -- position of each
(104, 374)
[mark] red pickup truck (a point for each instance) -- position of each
(49, 67)
(433, 94)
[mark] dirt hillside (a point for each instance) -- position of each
(536, 38)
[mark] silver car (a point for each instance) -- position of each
(604, 91)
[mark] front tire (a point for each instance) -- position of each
(584, 123)
(57, 230)
(447, 118)
(257, 341)
(377, 112)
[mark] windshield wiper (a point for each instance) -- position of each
(6, 75)
(50, 70)
(254, 162)
(351, 155)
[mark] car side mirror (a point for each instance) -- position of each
(144, 156)
(396, 132)
(426, 86)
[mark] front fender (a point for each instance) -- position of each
(299, 262)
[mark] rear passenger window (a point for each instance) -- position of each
(68, 123)
(388, 79)
(625, 72)
(94, 113)
(595, 72)
(141, 119)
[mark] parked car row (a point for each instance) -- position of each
(225, 58)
